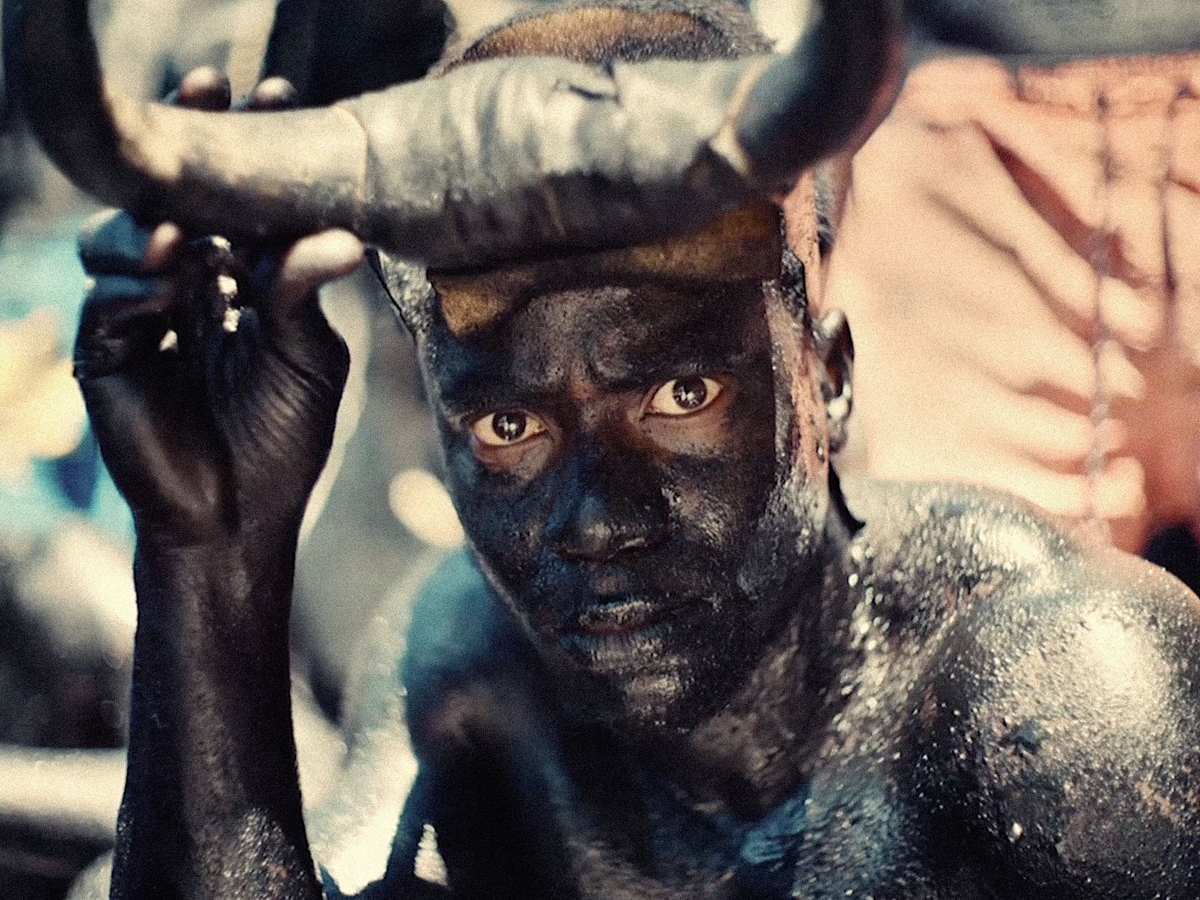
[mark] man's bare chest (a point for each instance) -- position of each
(850, 831)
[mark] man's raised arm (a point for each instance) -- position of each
(212, 381)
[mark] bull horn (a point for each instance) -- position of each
(494, 161)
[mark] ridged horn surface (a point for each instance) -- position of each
(494, 161)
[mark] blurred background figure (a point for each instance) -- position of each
(1019, 255)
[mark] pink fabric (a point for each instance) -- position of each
(1012, 244)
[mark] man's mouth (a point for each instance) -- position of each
(626, 632)
(626, 615)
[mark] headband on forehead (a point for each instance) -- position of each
(743, 245)
(602, 31)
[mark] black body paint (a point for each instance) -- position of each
(942, 700)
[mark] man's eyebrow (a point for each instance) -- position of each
(684, 352)
(475, 392)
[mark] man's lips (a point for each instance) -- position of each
(626, 615)
(615, 634)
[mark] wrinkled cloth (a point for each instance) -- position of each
(1019, 259)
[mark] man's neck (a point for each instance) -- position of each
(754, 752)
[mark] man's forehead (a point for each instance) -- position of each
(615, 337)
(744, 245)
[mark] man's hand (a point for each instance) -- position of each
(212, 380)
(210, 374)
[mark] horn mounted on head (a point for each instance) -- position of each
(491, 162)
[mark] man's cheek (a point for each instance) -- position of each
(504, 525)
(508, 537)
(718, 502)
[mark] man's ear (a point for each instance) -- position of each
(835, 349)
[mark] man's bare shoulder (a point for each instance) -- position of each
(929, 549)
(949, 514)
(1054, 735)
(985, 549)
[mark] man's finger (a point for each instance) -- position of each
(202, 88)
(123, 320)
(271, 93)
(113, 243)
(310, 263)
(289, 313)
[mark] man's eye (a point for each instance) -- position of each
(683, 396)
(503, 429)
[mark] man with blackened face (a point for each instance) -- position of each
(677, 660)
(623, 445)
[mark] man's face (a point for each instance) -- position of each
(612, 454)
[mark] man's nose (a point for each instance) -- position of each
(609, 505)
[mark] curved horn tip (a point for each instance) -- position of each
(828, 93)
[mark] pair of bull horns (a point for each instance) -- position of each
(493, 161)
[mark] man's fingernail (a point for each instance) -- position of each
(163, 242)
(274, 92)
(206, 88)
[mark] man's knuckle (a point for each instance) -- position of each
(97, 223)
(112, 243)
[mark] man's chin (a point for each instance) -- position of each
(643, 702)
(648, 662)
